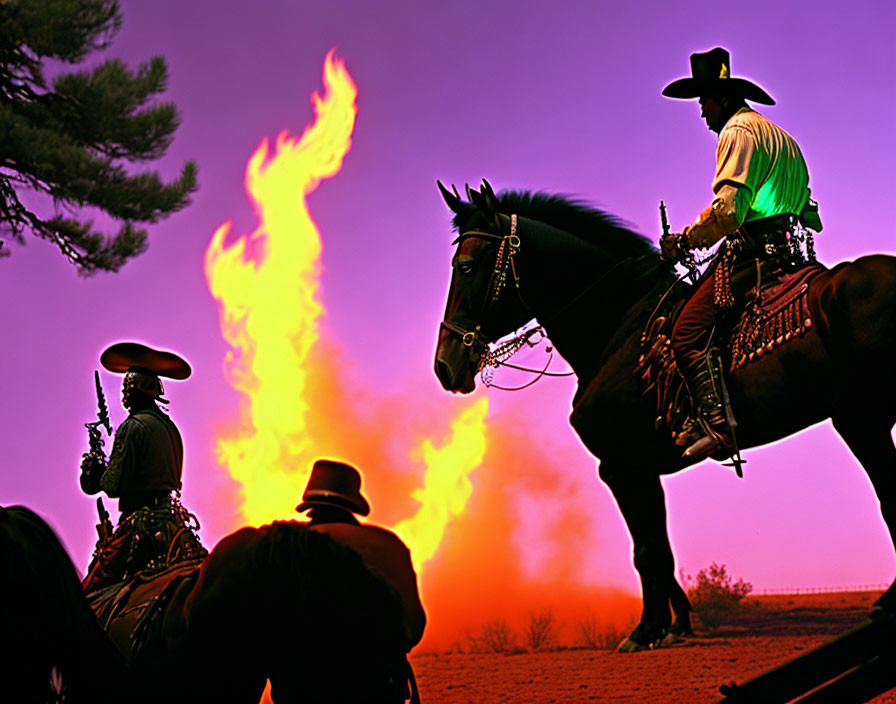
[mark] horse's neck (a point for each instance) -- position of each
(588, 315)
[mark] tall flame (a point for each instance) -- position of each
(267, 286)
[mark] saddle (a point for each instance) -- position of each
(776, 311)
(129, 611)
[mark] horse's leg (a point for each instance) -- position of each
(642, 502)
(871, 443)
(681, 607)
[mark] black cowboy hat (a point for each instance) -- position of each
(134, 357)
(334, 484)
(711, 75)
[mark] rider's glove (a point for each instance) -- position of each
(671, 246)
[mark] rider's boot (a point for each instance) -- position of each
(710, 431)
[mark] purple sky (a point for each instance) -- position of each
(559, 96)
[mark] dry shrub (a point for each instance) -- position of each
(599, 635)
(495, 636)
(541, 631)
(715, 597)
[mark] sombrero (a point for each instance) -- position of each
(134, 357)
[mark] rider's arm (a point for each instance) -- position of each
(733, 186)
(121, 461)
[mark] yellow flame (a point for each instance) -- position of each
(266, 285)
(446, 484)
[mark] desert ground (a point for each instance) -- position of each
(771, 630)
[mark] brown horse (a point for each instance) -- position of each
(278, 603)
(592, 284)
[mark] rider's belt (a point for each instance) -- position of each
(149, 499)
(766, 237)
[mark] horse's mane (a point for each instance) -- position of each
(574, 216)
(34, 559)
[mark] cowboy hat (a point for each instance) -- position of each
(711, 75)
(334, 484)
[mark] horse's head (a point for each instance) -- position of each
(483, 302)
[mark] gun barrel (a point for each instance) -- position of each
(102, 409)
(663, 219)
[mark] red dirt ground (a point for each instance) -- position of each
(774, 629)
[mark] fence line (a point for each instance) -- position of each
(821, 590)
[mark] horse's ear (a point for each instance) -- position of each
(491, 200)
(451, 199)
(478, 200)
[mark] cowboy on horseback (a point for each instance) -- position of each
(143, 471)
(761, 198)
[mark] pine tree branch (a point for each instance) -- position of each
(74, 140)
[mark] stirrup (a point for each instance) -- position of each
(714, 440)
(703, 447)
(713, 437)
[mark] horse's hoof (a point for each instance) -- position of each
(631, 646)
(670, 638)
(681, 629)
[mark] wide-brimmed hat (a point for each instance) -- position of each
(142, 367)
(134, 357)
(711, 75)
(334, 484)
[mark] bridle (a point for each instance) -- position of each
(505, 266)
(504, 269)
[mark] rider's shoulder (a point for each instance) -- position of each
(362, 533)
(148, 416)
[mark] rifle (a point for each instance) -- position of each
(94, 437)
(682, 246)
(664, 220)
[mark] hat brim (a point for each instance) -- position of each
(687, 88)
(124, 356)
(361, 508)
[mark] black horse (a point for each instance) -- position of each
(54, 649)
(593, 284)
(279, 603)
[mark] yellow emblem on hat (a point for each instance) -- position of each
(724, 72)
